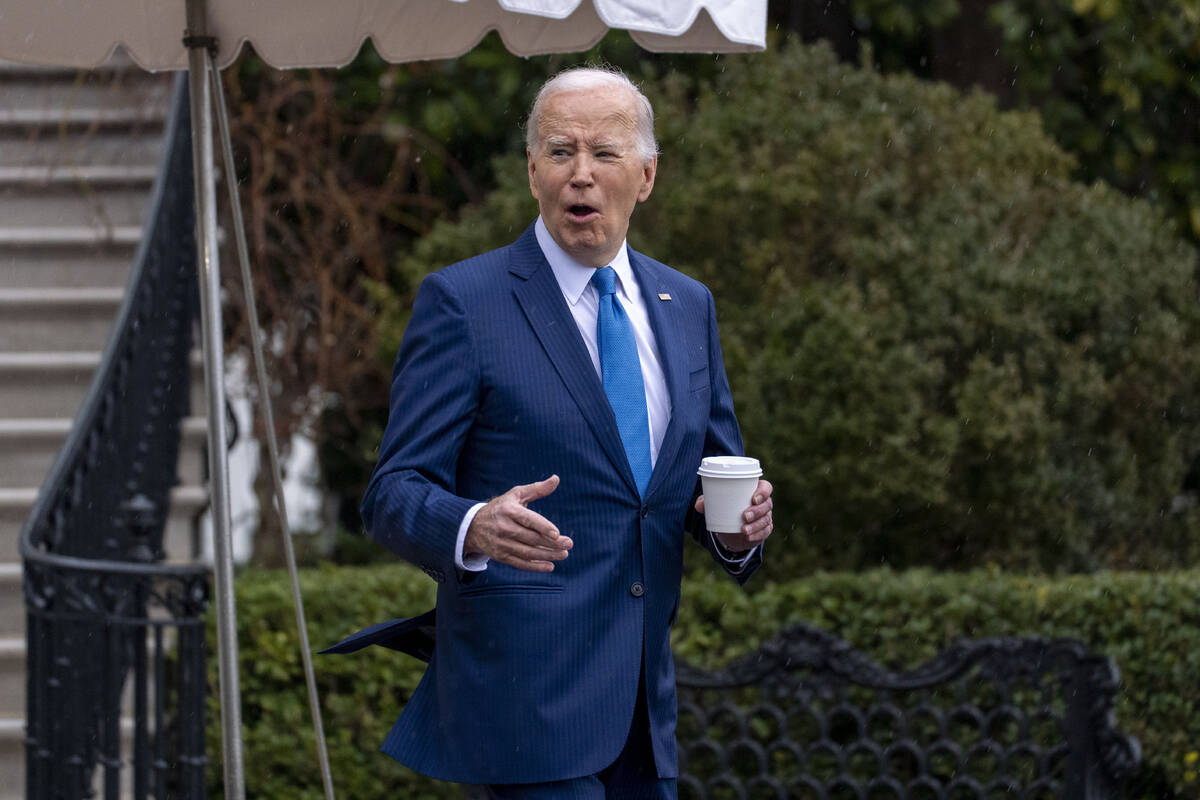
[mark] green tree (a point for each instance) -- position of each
(1116, 81)
(1118, 84)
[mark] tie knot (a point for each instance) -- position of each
(605, 280)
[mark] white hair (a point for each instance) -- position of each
(583, 78)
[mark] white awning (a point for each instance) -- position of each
(329, 33)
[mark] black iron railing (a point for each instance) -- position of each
(116, 653)
(809, 716)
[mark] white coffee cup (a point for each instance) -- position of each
(728, 483)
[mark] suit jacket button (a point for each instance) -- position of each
(645, 511)
(637, 590)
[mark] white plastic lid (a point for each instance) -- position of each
(729, 467)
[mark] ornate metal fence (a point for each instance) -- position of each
(116, 653)
(807, 716)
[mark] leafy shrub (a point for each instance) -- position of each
(945, 351)
(1150, 625)
(361, 695)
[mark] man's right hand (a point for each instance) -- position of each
(507, 531)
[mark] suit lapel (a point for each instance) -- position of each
(542, 302)
(672, 351)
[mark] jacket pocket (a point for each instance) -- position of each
(698, 379)
(507, 589)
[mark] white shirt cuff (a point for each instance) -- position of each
(740, 560)
(475, 562)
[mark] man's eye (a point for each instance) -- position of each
(558, 152)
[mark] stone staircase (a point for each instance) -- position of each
(78, 157)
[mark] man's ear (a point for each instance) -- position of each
(532, 168)
(649, 170)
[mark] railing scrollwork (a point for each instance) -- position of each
(807, 715)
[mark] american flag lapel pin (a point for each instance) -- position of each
(664, 296)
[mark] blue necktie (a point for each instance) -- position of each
(622, 374)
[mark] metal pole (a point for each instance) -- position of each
(214, 382)
(268, 417)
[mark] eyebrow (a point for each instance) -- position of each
(567, 141)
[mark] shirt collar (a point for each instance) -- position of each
(573, 278)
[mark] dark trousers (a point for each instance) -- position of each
(632, 776)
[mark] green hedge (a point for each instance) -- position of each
(1150, 624)
(944, 350)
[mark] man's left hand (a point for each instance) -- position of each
(757, 521)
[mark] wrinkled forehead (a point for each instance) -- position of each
(606, 112)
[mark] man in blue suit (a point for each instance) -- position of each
(577, 384)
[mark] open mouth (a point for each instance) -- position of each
(580, 211)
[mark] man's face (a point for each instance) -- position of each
(586, 173)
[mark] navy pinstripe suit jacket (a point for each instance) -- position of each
(534, 675)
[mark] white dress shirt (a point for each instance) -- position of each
(575, 281)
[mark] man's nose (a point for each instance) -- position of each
(581, 171)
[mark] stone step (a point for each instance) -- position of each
(44, 384)
(81, 117)
(65, 267)
(186, 503)
(75, 236)
(56, 319)
(28, 448)
(133, 91)
(65, 147)
(12, 675)
(52, 384)
(35, 176)
(53, 100)
(12, 757)
(60, 296)
(12, 599)
(64, 204)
